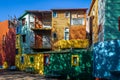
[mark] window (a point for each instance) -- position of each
(54, 14)
(32, 24)
(23, 21)
(17, 51)
(46, 59)
(67, 14)
(32, 59)
(93, 12)
(22, 59)
(119, 23)
(66, 34)
(75, 60)
(17, 30)
(54, 35)
(24, 38)
(78, 21)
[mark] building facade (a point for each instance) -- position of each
(68, 28)
(93, 17)
(7, 43)
(57, 39)
(106, 49)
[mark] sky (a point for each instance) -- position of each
(11, 8)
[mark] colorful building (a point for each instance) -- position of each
(93, 20)
(56, 41)
(69, 24)
(70, 44)
(106, 49)
(7, 43)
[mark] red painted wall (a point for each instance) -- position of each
(7, 43)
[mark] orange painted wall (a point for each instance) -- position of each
(78, 32)
(7, 45)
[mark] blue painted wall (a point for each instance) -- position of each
(26, 30)
(106, 59)
(112, 12)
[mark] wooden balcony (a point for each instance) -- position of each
(36, 47)
(41, 29)
(65, 44)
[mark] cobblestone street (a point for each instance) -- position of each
(17, 75)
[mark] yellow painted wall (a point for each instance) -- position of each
(59, 23)
(94, 7)
(17, 43)
(76, 43)
(38, 62)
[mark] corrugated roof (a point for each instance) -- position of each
(85, 9)
(36, 12)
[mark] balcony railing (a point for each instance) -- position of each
(41, 29)
(35, 46)
(79, 43)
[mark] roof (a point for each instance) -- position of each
(93, 1)
(84, 9)
(36, 12)
(61, 51)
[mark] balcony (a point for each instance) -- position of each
(46, 26)
(39, 47)
(65, 44)
(40, 29)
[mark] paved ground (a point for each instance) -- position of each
(17, 75)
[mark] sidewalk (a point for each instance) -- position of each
(18, 75)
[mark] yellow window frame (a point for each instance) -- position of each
(73, 60)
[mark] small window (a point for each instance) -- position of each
(23, 21)
(46, 59)
(78, 21)
(67, 14)
(22, 59)
(32, 24)
(119, 23)
(17, 30)
(24, 38)
(54, 14)
(66, 34)
(54, 35)
(32, 59)
(17, 51)
(93, 12)
(75, 60)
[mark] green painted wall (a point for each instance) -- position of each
(62, 62)
(112, 12)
